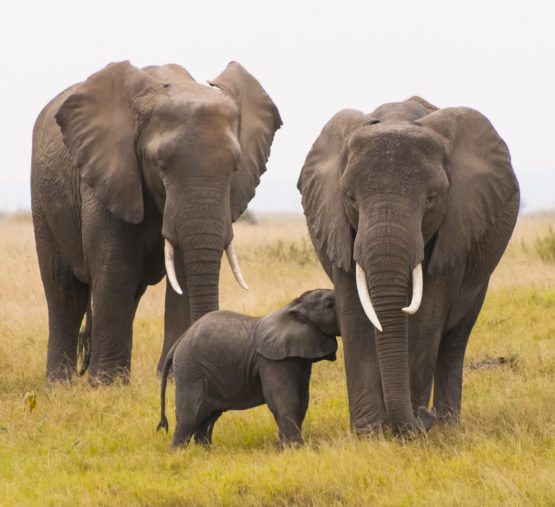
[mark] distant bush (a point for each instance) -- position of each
(301, 254)
(545, 246)
(248, 216)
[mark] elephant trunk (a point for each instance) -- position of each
(389, 252)
(202, 243)
(196, 237)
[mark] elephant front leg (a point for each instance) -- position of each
(450, 361)
(285, 390)
(366, 406)
(177, 317)
(113, 310)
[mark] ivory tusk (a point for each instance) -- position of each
(364, 296)
(232, 259)
(417, 286)
(170, 267)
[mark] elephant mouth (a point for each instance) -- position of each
(366, 301)
(169, 261)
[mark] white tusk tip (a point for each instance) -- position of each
(232, 259)
(170, 267)
(364, 296)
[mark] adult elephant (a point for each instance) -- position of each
(131, 167)
(408, 199)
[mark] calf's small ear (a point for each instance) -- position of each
(284, 333)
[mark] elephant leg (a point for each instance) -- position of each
(192, 410)
(424, 341)
(285, 389)
(182, 435)
(113, 310)
(66, 298)
(421, 366)
(204, 434)
(449, 367)
(366, 406)
(177, 316)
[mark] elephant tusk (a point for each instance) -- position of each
(417, 285)
(170, 267)
(364, 296)
(232, 259)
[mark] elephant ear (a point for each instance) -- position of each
(259, 120)
(482, 184)
(319, 186)
(99, 126)
(287, 333)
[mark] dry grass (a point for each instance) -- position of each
(98, 447)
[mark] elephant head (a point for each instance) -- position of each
(397, 195)
(156, 137)
(307, 327)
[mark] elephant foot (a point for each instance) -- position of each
(371, 429)
(448, 417)
(293, 443)
(60, 375)
(109, 377)
(426, 417)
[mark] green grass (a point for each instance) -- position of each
(88, 446)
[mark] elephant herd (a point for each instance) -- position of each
(140, 173)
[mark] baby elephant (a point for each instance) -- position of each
(228, 361)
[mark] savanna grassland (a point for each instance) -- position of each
(86, 446)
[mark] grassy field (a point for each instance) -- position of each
(99, 447)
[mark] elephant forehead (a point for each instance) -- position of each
(202, 104)
(397, 140)
(387, 148)
(318, 295)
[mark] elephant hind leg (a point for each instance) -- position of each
(182, 435)
(449, 367)
(66, 298)
(204, 434)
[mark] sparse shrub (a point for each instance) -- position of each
(301, 254)
(545, 246)
(248, 216)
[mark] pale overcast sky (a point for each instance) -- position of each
(313, 57)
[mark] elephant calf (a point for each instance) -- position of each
(227, 361)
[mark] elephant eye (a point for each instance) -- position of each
(430, 199)
(351, 197)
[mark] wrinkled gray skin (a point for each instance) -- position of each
(120, 162)
(229, 361)
(408, 183)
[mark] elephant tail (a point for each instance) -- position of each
(165, 371)
(84, 342)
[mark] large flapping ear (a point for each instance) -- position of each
(319, 185)
(99, 128)
(482, 184)
(284, 333)
(259, 120)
